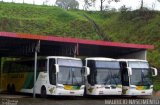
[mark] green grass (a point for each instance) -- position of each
(156, 83)
(141, 27)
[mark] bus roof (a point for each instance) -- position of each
(63, 57)
(126, 60)
(100, 59)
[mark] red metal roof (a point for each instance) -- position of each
(75, 40)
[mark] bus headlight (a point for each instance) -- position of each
(133, 87)
(60, 86)
(82, 87)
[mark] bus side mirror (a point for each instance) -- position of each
(129, 71)
(154, 71)
(57, 68)
(83, 71)
(87, 71)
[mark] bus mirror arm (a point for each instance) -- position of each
(57, 68)
(87, 70)
(155, 71)
(129, 70)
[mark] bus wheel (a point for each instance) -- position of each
(13, 89)
(43, 92)
(9, 89)
(85, 94)
(134, 96)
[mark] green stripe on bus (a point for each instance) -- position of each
(29, 81)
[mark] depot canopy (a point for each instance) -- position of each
(17, 45)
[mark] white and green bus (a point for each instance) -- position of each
(136, 77)
(104, 77)
(56, 75)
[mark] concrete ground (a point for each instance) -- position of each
(157, 94)
(23, 99)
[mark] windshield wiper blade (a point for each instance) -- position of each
(68, 78)
(73, 76)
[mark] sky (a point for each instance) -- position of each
(134, 4)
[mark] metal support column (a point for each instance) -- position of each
(76, 50)
(37, 48)
(35, 73)
(0, 74)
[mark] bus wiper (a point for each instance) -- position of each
(69, 76)
(113, 86)
(77, 83)
(112, 77)
(106, 81)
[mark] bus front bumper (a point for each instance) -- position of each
(135, 92)
(63, 92)
(104, 91)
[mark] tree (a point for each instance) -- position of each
(141, 7)
(142, 4)
(109, 1)
(101, 6)
(88, 3)
(124, 9)
(73, 5)
(45, 2)
(67, 4)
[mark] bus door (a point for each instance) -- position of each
(125, 77)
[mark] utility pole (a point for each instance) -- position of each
(1, 73)
(37, 49)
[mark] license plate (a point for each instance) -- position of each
(101, 93)
(72, 92)
(143, 92)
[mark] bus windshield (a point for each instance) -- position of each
(140, 73)
(70, 75)
(107, 73)
(70, 72)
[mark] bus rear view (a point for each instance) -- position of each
(104, 77)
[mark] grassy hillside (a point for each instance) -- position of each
(141, 27)
(135, 27)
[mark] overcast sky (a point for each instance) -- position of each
(152, 4)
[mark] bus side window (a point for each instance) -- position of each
(6, 67)
(52, 72)
(29, 66)
(124, 75)
(41, 65)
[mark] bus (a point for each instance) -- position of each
(104, 77)
(136, 77)
(56, 75)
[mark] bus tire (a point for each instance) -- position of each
(9, 89)
(13, 89)
(43, 92)
(134, 96)
(85, 94)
